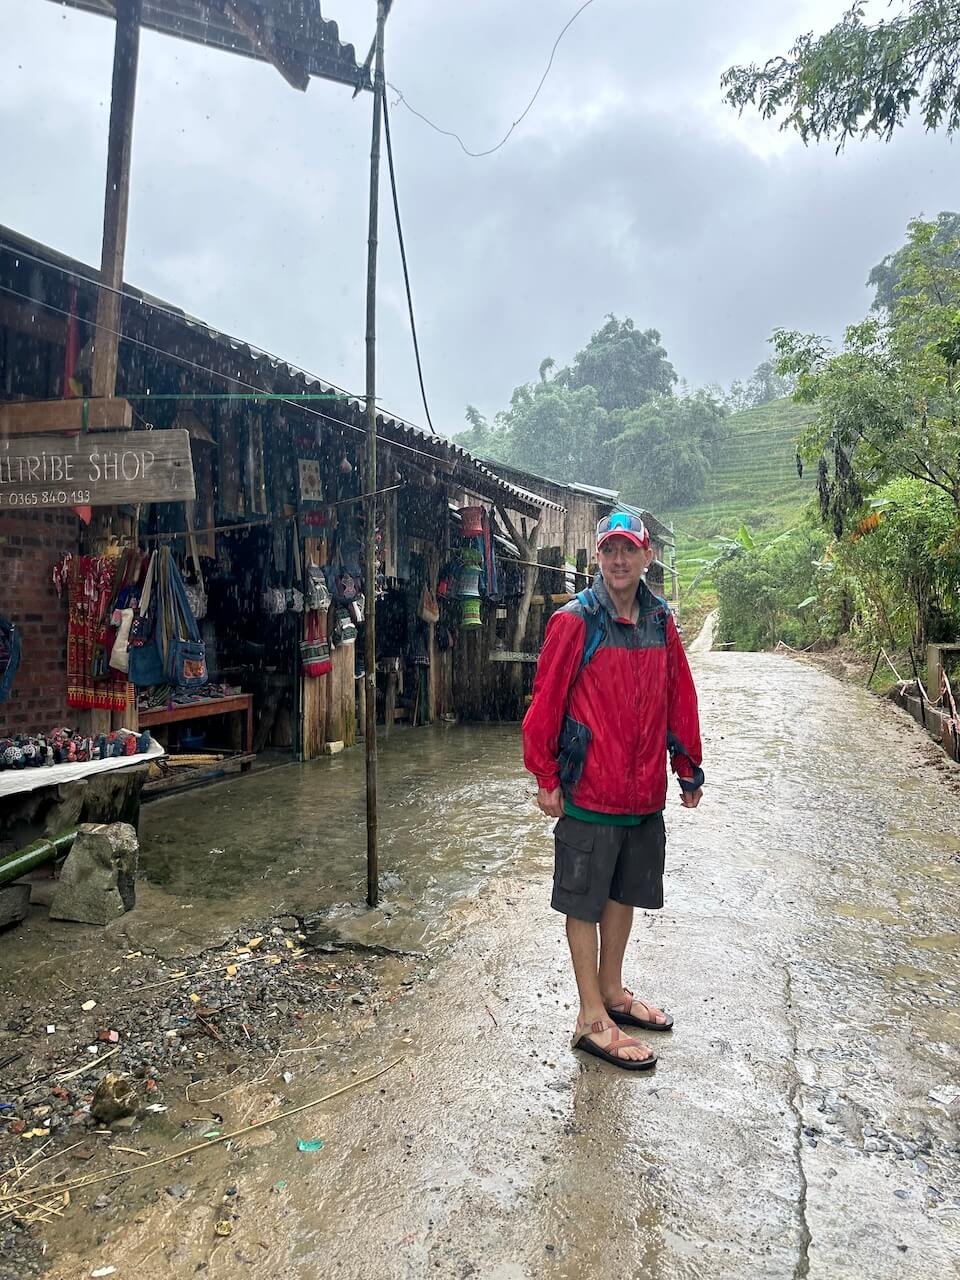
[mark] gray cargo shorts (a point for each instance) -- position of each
(595, 862)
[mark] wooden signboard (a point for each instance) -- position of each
(33, 417)
(96, 470)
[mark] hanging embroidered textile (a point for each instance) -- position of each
(90, 682)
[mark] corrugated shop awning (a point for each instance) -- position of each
(292, 35)
(160, 326)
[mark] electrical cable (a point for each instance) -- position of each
(154, 304)
(403, 259)
(448, 133)
(216, 373)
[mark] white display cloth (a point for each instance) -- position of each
(16, 781)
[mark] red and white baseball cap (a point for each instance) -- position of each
(621, 524)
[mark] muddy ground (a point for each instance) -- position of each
(803, 1118)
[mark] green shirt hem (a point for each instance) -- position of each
(606, 819)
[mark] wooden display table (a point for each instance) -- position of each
(236, 704)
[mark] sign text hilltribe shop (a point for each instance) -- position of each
(95, 469)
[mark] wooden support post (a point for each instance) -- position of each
(526, 543)
(313, 696)
(126, 50)
(370, 655)
(119, 147)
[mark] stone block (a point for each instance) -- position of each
(115, 1098)
(97, 881)
(14, 903)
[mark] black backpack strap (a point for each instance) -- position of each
(595, 620)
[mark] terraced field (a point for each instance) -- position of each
(754, 483)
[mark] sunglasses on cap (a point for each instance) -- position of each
(624, 525)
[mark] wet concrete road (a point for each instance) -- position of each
(803, 1119)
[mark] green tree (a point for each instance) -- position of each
(627, 366)
(910, 552)
(482, 439)
(767, 384)
(663, 450)
(887, 403)
(764, 594)
(860, 78)
(563, 425)
(556, 431)
(890, 278)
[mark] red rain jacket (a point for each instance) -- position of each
(603, 732)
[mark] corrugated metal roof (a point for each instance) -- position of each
(591, 491)
(463, 467)
(608, 496)
(657, 527)
(295, 30)
(469, 471)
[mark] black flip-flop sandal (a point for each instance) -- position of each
(608, 1054)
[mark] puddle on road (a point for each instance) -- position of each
(946, 942)
(866, 911)
(452, 811)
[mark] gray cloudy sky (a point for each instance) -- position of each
(629, 188)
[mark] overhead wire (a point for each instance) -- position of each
(292, 403)
(164, 308)
(403, 259)
(449, 133)
(217, 373)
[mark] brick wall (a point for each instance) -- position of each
(30, 543)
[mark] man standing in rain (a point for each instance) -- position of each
(612, 697)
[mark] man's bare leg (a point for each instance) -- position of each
(615, 925)
(582, 937)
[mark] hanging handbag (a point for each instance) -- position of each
(345, 631)
(186, 665)
(9, 656)
(120, 653)
(314, 649)
(140, 630)
(273, 601)
(429, 610)
(144, 645)
(344, 580)
(196, 598)
(318, 595)
(344, 586)
(196, 591)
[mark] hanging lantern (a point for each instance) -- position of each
(430, 479)
(469, 582)
(471, 519)
(346, 466)
(470, 613)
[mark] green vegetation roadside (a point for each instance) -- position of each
(753, 485)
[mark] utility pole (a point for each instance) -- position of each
(370, 575)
